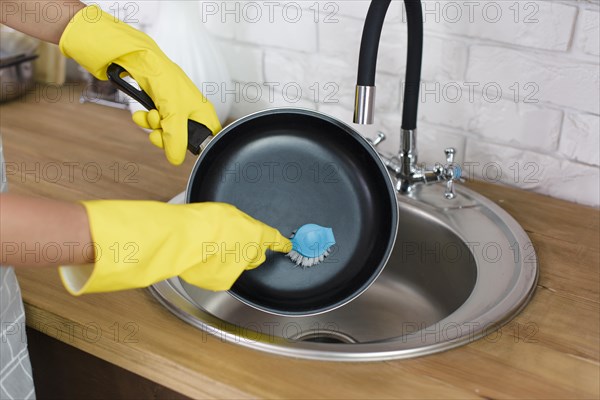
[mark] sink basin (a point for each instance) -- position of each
(460, 269)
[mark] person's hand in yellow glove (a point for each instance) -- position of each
(96, 39)
(138, 243)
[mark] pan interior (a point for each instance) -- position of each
(290, 169)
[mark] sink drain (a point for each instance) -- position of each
(325, 337)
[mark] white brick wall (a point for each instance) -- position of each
(557, 80)
(511, 83)
(533, 171)
(580, 140)
(537, 24)
(590, 34)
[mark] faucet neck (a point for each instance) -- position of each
(369, 45)
(414, 57)
(408, 150)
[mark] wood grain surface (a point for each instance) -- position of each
(550, 350)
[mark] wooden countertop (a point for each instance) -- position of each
(71, 151)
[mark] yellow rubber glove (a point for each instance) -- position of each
(96, 39)
(138, 243)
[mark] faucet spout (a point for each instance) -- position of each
(367, 63)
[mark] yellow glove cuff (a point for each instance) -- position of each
(138, 243)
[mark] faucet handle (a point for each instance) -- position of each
(380, 138)
(450, 193)
(452, 172)
(450, 152)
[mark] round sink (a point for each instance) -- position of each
(459, 270)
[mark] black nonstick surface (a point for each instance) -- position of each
(293, 167)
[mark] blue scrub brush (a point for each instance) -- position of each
(311, 244)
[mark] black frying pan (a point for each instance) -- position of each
(289, 167)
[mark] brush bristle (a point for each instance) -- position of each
(306, 262)
(303, 261)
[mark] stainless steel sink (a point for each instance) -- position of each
(460, 269)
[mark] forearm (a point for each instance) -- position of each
(45, 19)
(41, 232)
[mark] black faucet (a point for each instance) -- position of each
(404, 166)
(365, 86)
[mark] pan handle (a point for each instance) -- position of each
(197, 133)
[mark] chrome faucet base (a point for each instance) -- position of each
(408, 174)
